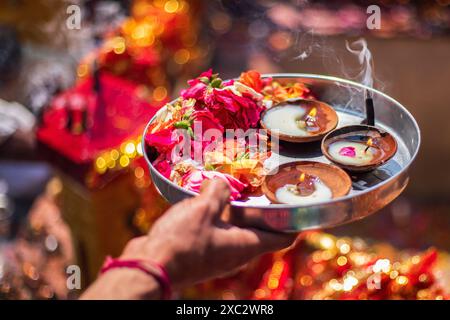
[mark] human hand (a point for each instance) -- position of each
(193, 244)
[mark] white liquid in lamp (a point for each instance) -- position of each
(285, 120)
(321, 193)
(361, 156)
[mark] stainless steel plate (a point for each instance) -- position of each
(370, 192)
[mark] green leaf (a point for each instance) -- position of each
(191, 133)
(216, 83)
(182, 125)
(205, 80)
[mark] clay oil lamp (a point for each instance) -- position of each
(299, 120)
(359, 148)
(305, 183)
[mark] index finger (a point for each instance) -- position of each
(254, 242)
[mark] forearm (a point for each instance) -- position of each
(123, 284)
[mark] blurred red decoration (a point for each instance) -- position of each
(112, 115)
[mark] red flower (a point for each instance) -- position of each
(207, 119)
(233, 111)
(164, 168)
(161, 140)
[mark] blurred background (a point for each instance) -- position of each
(73, 184)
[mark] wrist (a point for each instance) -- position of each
(124, 283)
(145, 266)
(133, 284)
(146, 250)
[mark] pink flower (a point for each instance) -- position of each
(193, 180)
(227, 83)
(348, 152)
(161, 140)
(197, 88)
(207, 74)
(196, 91)
(233, 111)
(164, 168)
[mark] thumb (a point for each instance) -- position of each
(216, 193)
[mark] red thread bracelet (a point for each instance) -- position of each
(151, 268)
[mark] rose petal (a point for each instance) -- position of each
(348, 152)
(193, 181)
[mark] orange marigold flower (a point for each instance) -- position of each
(252, 79)
(278, 93)
(297, 90)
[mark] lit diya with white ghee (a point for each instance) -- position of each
(299, 120)
(306, 183)
(359, 148)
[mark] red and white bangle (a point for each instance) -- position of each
(149, 267)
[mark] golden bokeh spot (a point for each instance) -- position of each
(341, 261)
(273, 283)
(171, 6)
(328, 254)
(139, 172)
(335, 285)
(402, 280)
(423, 277)
(119, 45)
(318, 268)
(327, 242)
(228, 295)
(141, 31)
(415, 259)
(277, 267)
(306, 280)
(184, 7)
(100, 163)
(124, 161)
(114, 154)
(260, 294)
(280, 40)
(344, 248)
(393, 274)
(146, 41)
(160, 93)
(82, 70)
(181, 56)
(111, 163)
